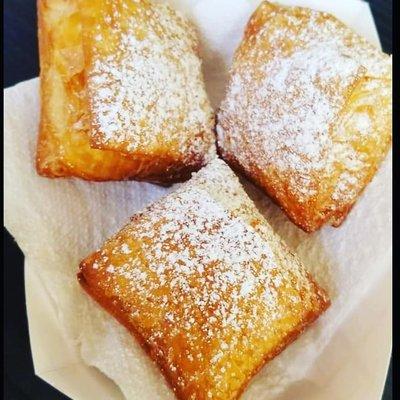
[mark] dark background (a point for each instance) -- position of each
(20, 63)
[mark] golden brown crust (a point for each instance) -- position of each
(307, 114)
(116, 309)
(206, 287)
(65, 147)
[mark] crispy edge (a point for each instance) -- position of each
(45, 140)
(255, 178)
(336, 218)
(115, 307)
(323, 304)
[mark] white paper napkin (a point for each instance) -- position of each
(58, 222)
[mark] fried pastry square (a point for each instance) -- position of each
(205, 285)
(66, 146)
(307, 112)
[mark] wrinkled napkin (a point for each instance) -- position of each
(57, 222)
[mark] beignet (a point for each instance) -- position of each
(86, 91)
(307, 112)
(206, 287)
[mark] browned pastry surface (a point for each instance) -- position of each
(75, 93)
(307, 113)
(206, 287)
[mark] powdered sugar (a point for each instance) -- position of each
(292, 105)
(150, 89)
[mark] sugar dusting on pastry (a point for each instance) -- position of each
(207, 283)
(293, 99)
(282, 116)
(149, 89)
